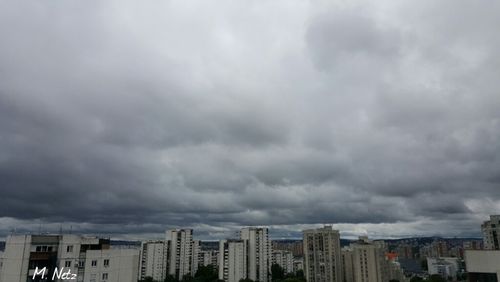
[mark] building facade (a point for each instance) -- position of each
(182, 253)
(369, 262)
(114, 265)
(491, 233)
(322, 255)
(232, 260)
(38, 257)
(258, 252)
(283, 259)
(154, 257)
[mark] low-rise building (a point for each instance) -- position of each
(445, 267)
(482, 265)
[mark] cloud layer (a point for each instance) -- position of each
(123, 117)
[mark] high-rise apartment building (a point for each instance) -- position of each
(322, 255)
(491, 233)
(232, 260)
(369, 262)
(182, 253)
(209, 257)
(258, 253)
(283, 259)
(154, 257)
(347, 265)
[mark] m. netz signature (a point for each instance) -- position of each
(59, 274)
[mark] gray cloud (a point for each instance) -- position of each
(125, 118)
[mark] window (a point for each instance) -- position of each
(106, 262)
(69, 249)
(38, 248)
(104, 276)
(94, 263)
(81, 264)
(67, 263)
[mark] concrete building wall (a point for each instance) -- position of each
(483, 261)
(16, 258)
(117, 265)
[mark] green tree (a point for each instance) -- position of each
(436, 278)
(206, 274)
(170, 278)
(416, 279)
(277, 273)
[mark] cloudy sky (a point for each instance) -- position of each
(132, 117)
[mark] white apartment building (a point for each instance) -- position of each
(368, 261)
(283, 259)
(491, 233)
(347, 265)
(182, 254)
(209, 257)
(153, 261)
(232, 260)
(322, 255)
(24, 254)
(114, 265)
(259, 253)
(445, 267)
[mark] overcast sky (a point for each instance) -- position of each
(132, 117)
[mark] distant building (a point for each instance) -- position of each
(232, 260)
(298, 264)
(491, 233)
(83, 256)
(473, 245)
(322, 255)
(154, 255)
(445, 267)
(283, 259)
(208, 257)
(182, 253)
(405, 251)
(295, 247)
(258, 252)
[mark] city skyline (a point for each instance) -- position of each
(130, 118)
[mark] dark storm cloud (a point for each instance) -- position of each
(119, 117)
